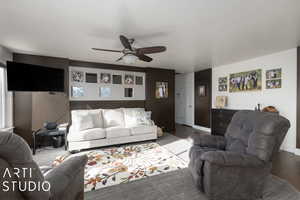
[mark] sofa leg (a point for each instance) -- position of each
(74, 151)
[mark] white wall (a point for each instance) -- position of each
(284, 99)
(184, 99)
(6, 55)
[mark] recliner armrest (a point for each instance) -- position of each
(62, 176)
(226, 158)
(211, 141)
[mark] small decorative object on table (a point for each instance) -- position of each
(221, 101)
(270, 109)
(160, 132)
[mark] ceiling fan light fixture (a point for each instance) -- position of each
(130, 59)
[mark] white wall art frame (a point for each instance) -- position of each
(92, 90)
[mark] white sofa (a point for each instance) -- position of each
(104, 127)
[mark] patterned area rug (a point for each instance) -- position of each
(115, 165)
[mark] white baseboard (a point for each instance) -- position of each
(202, 128)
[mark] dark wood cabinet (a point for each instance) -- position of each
(220, 119)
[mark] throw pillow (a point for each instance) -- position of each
(85, 122)
(132, 116)
(113, 117)
(143, 118)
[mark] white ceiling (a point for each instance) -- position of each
(198, 33)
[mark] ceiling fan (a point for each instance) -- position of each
(131, 54)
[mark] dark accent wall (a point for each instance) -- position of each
(203, 103)
(163, 110)
(298, 97)
(22, 109)
(31, 109)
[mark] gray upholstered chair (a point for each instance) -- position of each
(235, 167)
(66, 180)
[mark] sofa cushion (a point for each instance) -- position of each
(84, 122)
(95, 114)
(113, 117)
(114, 132)
(86, 135)
(140, 130)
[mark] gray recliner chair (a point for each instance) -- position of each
(66, 180)
(235, 167)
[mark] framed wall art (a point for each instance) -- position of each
(273, 74)
(77, 91)
(161, 90)
(245, 81)
(105, 78)
(222, 84)
(77, 76)
(129, 79)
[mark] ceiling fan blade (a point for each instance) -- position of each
(97, 49)
(124, 40)
(149, 50)
(120, 58)
(144, 58)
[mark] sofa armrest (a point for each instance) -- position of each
(225, 158)
(61, 178)
(211, 141)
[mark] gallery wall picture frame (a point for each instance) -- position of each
(104, 91)
(105, 78)
(162, 90)
(128, 92)
(91, 77)
(246, 81)
(77, 91)
(139, 80)
(273, 84)
(117, 79)
(77, 76)
(274, 73)
(223, 80)
(88, 83)
(222, 88)
(129, 79)
(273, 78)
(202, 90)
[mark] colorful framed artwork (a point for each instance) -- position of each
(162, 90)
(272, 84)
(105, 78)
(245, 81)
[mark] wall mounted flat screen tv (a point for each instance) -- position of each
(26, 77)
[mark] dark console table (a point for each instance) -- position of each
(220, 119)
